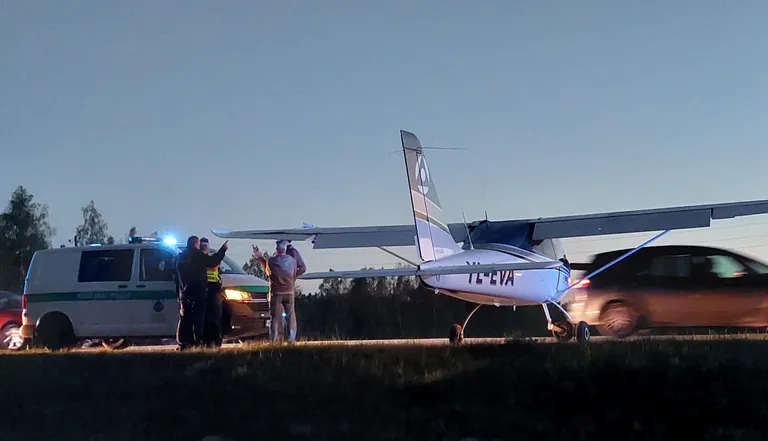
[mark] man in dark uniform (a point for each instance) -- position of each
(212, 331)
(192, 268)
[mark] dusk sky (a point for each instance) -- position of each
(182, 116)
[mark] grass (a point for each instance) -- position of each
(644, 390)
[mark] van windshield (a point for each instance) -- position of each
(228, 266)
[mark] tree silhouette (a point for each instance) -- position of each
(24, 229)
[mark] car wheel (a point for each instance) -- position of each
(10, 338)
(618, 320)
(114, 344)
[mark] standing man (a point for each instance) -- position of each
(192, 268)
(212, 330)
(281, 269)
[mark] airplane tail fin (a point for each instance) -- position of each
(433, 237)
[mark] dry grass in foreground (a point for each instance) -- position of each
(701, 390)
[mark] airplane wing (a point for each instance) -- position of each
(433, 271)
(618, 222)
(637, 221)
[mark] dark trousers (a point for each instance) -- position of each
(189, 331)
(279, 304)
(212, 331)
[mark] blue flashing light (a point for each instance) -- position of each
(284, 314)
(170, 240)
(95, 245)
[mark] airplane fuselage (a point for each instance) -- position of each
(519, 287)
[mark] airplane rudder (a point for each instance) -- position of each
(433, 236)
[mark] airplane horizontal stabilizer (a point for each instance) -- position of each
(433, 271)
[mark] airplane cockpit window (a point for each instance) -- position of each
(547, 248)
(508, 233)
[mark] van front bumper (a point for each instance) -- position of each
(27, 331)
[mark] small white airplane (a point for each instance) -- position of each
(509, 263)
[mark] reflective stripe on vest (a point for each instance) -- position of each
(213, 274)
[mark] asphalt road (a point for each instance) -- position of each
(442, 342)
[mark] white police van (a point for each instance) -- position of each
(118, 293)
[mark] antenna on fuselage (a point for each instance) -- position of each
(469, 238)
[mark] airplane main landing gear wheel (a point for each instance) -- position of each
(563, 331)
(456, 335)
(582, 333)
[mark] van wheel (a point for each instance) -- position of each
(55, 332)
(114, 343)
(619, 320)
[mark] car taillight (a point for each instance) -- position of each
(24, 301)
(582, 284)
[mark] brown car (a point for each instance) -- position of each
(671, 286)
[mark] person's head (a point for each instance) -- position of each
(280, 246)
(193, 242)
(204, 245)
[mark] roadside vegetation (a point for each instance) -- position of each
(619, 390)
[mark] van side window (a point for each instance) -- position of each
(156, 266)
(106, 266)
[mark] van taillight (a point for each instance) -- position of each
(24, 301)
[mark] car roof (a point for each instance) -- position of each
(667, 249)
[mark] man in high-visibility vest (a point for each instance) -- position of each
(212, 330)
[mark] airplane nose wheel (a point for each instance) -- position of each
(565, 330)
(582, 333)
(456, 333)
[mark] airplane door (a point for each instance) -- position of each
(158, 311)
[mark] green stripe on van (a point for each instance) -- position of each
(251, 288)
(102, 295)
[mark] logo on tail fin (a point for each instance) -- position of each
(422, 174)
